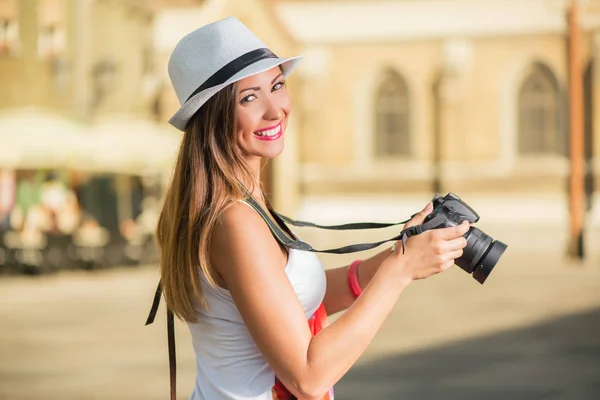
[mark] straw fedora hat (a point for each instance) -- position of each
(213, 57)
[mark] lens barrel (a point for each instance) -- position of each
(488, 261)
(480, 255)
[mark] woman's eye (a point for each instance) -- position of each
(279, 85)
(248, 98)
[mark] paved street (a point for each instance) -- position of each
(531, 332)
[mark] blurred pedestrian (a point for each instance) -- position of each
(247, 298)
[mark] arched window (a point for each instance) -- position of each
(539, 122)
(392, 117)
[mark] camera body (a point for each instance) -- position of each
(482, 252)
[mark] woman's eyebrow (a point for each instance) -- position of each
(258, 88)
(250, 88)
(277, 77)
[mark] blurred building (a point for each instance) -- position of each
(81, 59)
(391, 87)
(82, 149)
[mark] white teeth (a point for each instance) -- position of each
(270, 132)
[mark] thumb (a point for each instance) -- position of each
(420, 216)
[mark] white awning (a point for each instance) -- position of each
(34, 138)
(131, 145)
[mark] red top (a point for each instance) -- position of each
(317, 322)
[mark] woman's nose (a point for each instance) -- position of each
(273, 111)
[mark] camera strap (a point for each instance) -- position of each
(275, 222)
(286, 240)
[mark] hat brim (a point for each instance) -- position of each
(180, 119)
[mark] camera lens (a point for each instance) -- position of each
(488, 261)
(480, 255)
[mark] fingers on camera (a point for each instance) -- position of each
(455, 254)
(452, 232)
(457, 244)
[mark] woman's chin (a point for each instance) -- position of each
(273, 151)
(272, 154)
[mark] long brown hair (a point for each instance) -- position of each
(205, 182)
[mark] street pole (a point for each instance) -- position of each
(576, 184)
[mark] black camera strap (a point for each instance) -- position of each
(275, 222)
(292, 243)
(285, 239)
(170, 339)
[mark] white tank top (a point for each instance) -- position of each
(229, 365)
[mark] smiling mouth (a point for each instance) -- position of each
(269, 134)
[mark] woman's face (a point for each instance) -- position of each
(263, 107)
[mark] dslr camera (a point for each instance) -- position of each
(482, 252)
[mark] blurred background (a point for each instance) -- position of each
(495, 100)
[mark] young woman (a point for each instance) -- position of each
(245, 297)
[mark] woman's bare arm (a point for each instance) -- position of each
(248, 258)
(338, 296)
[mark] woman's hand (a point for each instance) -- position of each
(430, 252)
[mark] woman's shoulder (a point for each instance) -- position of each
(241, 244)
(239, 225)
